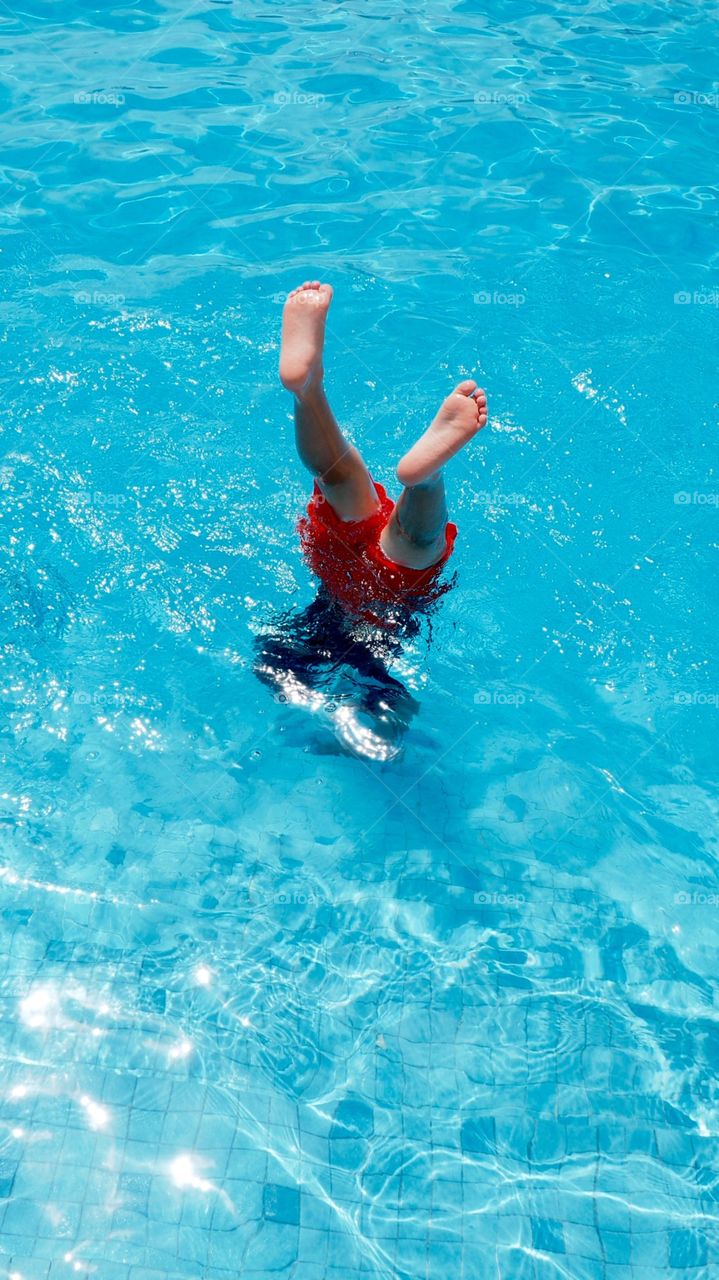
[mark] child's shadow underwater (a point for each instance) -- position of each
(319, 660)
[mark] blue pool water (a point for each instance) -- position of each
(278, 1000)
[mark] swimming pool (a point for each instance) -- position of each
(272, 1006)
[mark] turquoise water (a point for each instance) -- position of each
(276, 1001)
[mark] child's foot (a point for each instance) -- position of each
(461, 416)
(303, 336)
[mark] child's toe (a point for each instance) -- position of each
(465, 388)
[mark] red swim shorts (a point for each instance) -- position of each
(346, 556)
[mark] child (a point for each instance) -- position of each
(376, 562)
(361, 545)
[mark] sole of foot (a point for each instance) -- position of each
(303, 336)
(460, 417)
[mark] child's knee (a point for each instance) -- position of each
(344, 469)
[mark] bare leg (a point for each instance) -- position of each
(335, 464)
(415, 533)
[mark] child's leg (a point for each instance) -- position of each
(335, 464)
(415, 534)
